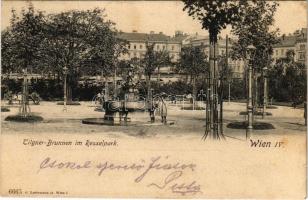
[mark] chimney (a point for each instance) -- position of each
(178, 33)
(296, 32)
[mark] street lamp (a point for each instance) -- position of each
(64, 88)
(115, 81)
(229, 88)
(250, 56)
(265, 69)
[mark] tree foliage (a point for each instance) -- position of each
(288, 80)
(226, 71)
(21, 42)
(215, 15)
(153, 60)
(82, 41)
(193, 61)
(254, 29)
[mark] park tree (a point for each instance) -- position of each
(21, 50)
(151, 61)
(225, 74)
(7, 52)
(288, 80)
(296, 83)
(215, 16)
(163, 58)
(21, 42)
(254, 28)
(193, 62)
(82, 41)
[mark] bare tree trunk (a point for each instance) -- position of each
(186, 78)
(221, 101)
(148, 83)
(58, 78)
(150, 106)
(212, 130)
(69, 93)
(158, 76)
(194, 90)
(24, 107)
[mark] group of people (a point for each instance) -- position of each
(18, 97)
(159, 106)
(161, 109)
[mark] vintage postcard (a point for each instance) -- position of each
(154, 99)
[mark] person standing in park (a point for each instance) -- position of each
(98, 98)
(163, 110)
(305, 112)
(151, 109)
(102, 98)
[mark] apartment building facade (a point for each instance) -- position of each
(137, 48)
(237, 66)
(137, 44)
(296, 42)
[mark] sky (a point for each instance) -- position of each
(157, 16)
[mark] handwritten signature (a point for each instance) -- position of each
(143, 168)
(170, 182)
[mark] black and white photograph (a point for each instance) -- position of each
(154, 99)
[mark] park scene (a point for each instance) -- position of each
(233, 72)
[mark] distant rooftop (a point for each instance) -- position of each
(291, 39)
(152, 37)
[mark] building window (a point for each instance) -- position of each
(140, 46)
(135, 54)
(172, 47)
(302, 47)
(302, 56)
(128, 46)
(135, 47)
(282, 52)
(276, 52)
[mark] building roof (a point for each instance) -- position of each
(178, 38)
(154, 37)
(204, 40)
(286, 41)
(144, 37)
(291, 40)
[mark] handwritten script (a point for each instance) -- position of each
(158, 166)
